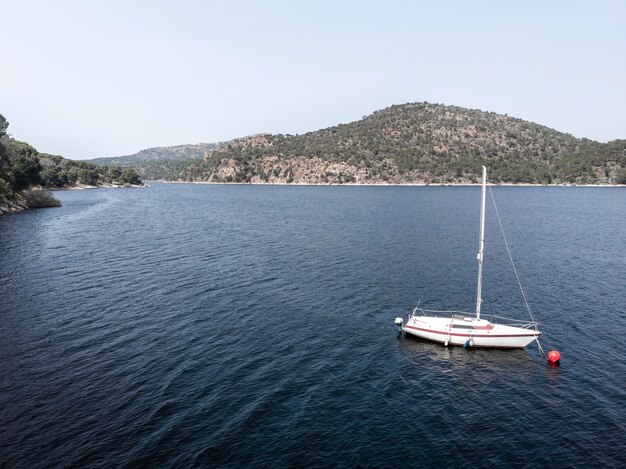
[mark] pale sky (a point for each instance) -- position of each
(85, 79)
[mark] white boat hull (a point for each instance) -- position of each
(481, 333)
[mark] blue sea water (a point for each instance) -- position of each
(229, 326)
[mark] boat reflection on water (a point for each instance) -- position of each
(493, 363)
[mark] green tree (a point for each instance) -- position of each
(50, 177)
(25, 172)
(5, 185)
(114, 173)
(129, 176)
(88, 176)
(4, 124)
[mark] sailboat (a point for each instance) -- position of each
(472, 330)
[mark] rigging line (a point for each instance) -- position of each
(511, 258)
(540, 347)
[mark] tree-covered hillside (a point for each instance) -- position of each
(23, 167)
(161, 162)
(418, 143)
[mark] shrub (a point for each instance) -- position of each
(40, 199)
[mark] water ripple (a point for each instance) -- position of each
(253, 326)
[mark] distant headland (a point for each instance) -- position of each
(416, 143)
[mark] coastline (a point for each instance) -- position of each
(352, 184)
(17, 205)
(80, 187)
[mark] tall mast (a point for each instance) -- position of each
(479, 298)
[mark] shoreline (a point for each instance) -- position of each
(80, 187)
(17, 205)
(411, 184)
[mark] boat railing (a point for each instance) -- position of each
(454, 313)
(512, 322)
(493, 318)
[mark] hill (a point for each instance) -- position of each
(417, 143)
(161, 162)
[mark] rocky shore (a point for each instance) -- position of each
(14, 206)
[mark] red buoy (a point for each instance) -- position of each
(554, 356)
